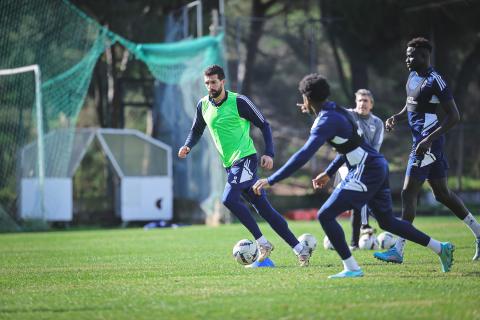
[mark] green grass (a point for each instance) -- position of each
(188, 273)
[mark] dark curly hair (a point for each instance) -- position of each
(315, 87)
(420, 43)
(215, 69)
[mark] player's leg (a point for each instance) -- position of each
(381, 205)
(233, 201)
(356, 221)
(445, 196)
(339, 201)
(243, 175)
(276, 221)
(414, 178)
(365, 227)
(237, 181)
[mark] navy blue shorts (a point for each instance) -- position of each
(438, 169)
(366, 185)
(243, 173)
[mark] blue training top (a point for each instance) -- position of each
(424, 95)
(329, 126)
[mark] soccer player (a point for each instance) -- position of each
(366, 182)
(228, 116)
(371, 127)
(428, 97)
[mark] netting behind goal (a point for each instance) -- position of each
(66, 44)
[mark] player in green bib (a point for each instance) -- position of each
(228, 116)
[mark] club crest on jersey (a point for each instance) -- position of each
(411, 100)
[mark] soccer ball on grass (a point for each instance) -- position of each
(245, 252)
(327, 245)
(386, 240)
(368, 241)
(309, 241)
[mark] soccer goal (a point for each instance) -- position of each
(21, 122)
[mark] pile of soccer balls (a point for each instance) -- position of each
(369, 241)
(246, 252)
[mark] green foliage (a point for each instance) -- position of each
(189, 273)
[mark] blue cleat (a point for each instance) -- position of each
(391, 255)
(446, 256)
(476, 257)
(347, 274)
(267, 263)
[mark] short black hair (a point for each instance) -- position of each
(420, 42)
(315, 87)
(215, 69)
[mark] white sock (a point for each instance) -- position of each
(298, 248)
(350, 264)
(262, 241)
(400, 245)
(472, 223)
(435, 246)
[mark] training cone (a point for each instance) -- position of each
(267, 263)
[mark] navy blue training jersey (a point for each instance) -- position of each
(330, 125)
(424, 95)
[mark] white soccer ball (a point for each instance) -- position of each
(386, 240)
(308, 240)
(245, 252)
(368, 242)
(327, 245)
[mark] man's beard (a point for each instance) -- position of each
(215, 93)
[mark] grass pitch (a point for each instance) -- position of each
(188, 273)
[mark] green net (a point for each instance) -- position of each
(36, 139)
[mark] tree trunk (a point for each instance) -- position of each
(465, 76)
(257, 22)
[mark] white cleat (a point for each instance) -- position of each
(304, 256)
(265, 251)
(476, 257)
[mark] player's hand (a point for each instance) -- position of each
(320, 181)
(183, 151)
(266, 162)
(259, 185)
(423, 147)
(303, 107)
(390, 123)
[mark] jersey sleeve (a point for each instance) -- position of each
(197, 128)
(248, 110)
(440, 88)
(378, 137)
(336, 163)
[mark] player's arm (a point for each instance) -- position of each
(195, 132)
(336, 163)
(318, 136)
(322, 179)
(248, 110)
(391, 122)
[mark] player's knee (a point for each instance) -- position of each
(408, 196)
(228, 201)
(323, 215)
(442, 196)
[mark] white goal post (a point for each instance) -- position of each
(39, 117)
